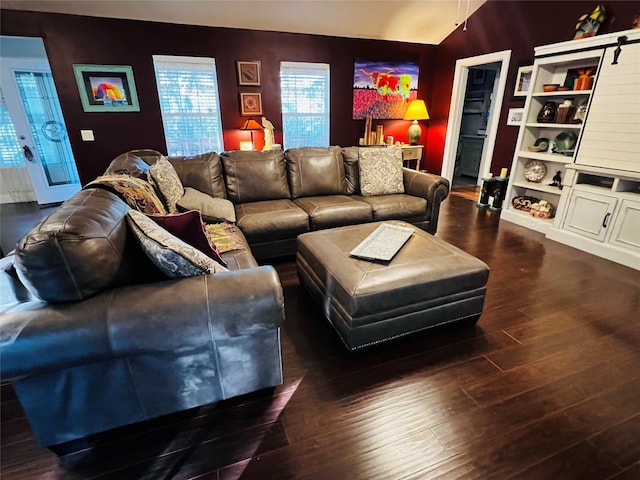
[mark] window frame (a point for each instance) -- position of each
(326, 114)
(217, 144)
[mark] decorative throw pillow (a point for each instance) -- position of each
(189, 228)
(138, 193)
(165, 178)
(212, 209)
(172, 256)
(380, 171)
(225, 236)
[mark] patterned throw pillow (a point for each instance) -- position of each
(165, 178)
(138, 193)
(172, 256)
(225, 236)
(380, 171)
(189, 228)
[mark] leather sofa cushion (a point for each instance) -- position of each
(334, 211)
(398, 206)
(202, 172)
(351, 170)
(315, 171)
(82, 248)
(253, 176)
(271, 219)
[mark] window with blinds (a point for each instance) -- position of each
(189, 102)
(304, 90)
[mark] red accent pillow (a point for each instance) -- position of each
(189, 228)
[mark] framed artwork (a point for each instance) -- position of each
(383, 90)
(248, 73)
(523, 81)
(106, 88)
(515, 116)
(250, 104)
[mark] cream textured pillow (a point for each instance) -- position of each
(213, 210)
(166, 179)
(380, 171)
(172, 256)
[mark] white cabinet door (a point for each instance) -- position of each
(589, 214)
(626, 229)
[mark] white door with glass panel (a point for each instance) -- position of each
(30, 103)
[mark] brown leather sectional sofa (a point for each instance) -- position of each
(94, 337)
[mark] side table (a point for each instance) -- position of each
(412, 152)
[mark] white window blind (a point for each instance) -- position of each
(305, 90)
(189, 102)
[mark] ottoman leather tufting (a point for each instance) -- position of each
(428, 283)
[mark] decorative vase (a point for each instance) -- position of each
(547, 113)
(565, 112)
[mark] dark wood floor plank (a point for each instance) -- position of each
(631, 473)
(495, 420)
(578, 462)
(571, 359)
(533, 443)
(621, 442)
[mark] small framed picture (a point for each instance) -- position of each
(523, 81)
(248, 73)
(515, 116)
(106, 88)
(250, 104)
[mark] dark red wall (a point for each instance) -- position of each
(518, 26)
(72, 39)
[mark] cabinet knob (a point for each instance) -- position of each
(605, 222)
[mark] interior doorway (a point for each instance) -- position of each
(476, 101)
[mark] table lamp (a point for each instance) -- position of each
(251, 125)
(417, 111)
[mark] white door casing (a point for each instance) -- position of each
(457, 104)
(50, 187)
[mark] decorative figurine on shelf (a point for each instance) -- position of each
(557, 180)
(268, 134)
(589, 24)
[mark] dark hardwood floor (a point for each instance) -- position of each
(546, 386)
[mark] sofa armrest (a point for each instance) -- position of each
(433, 188)
(175, 315)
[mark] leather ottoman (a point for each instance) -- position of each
(427, 283)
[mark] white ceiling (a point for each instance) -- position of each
(415, 21)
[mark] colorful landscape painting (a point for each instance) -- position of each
(383, 90)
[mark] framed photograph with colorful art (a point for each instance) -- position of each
(106, 88)
(383, 90)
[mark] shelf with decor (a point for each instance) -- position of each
(554, 114)
(583, 161)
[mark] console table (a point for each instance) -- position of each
(412, 152)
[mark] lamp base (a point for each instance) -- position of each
(414, 133)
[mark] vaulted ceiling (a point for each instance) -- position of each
(415, 21)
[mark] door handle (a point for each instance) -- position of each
(28, 154)
(605, 222)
